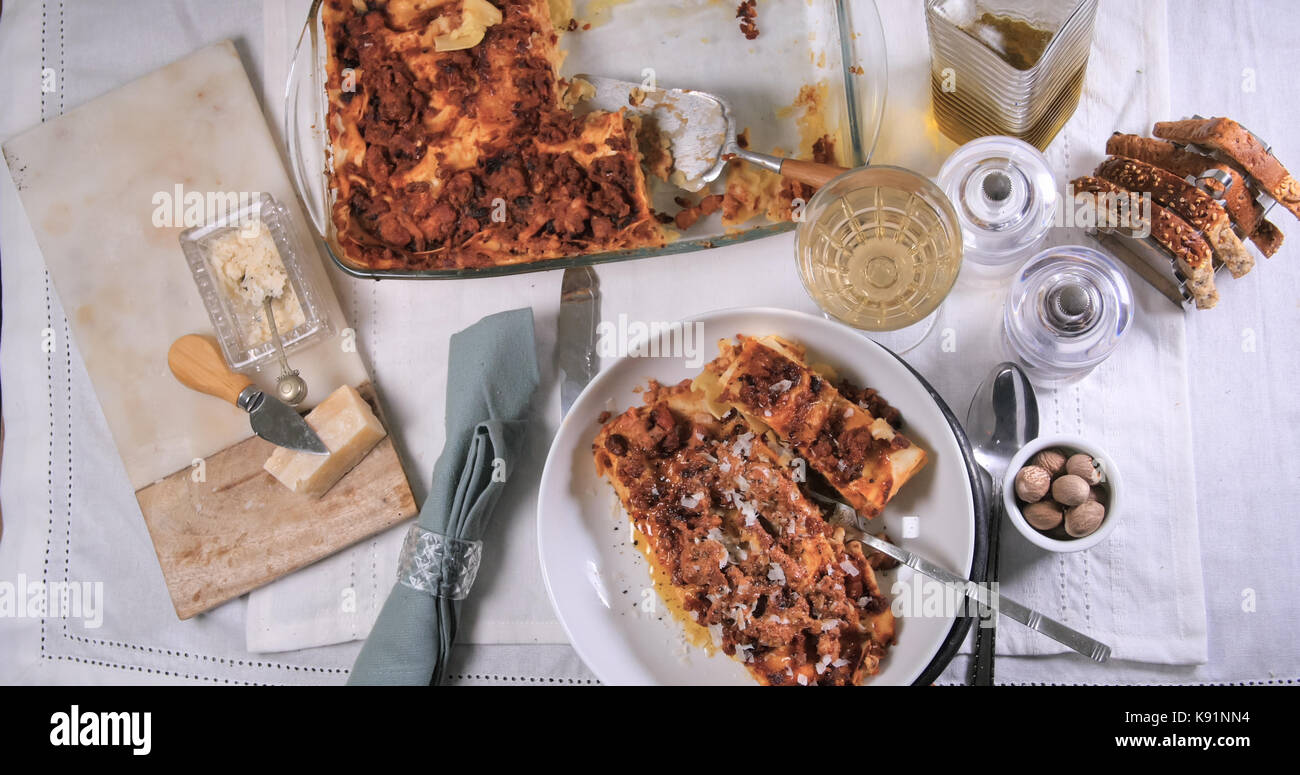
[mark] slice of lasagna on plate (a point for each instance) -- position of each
(741, 555)
(853, 444)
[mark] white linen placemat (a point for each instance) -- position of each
(70, 515)
(1141, 591)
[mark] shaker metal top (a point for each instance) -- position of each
(1005, 195)
(1072, 306)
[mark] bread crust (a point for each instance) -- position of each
(1186, 201)
(1237, 199)
(1185, 244)
(1268, 238)
(1238, 144)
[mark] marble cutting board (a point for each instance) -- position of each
(88, 182)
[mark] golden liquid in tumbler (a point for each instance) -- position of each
(1019, 43)
(879, 258)
(963, 120)
(1036, 92)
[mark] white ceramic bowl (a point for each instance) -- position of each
(1111, 483)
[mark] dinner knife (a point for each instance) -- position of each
(575, 342)
(847, 518)
(198, 364)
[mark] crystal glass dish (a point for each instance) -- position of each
(238, 331)
(1006, 198)
(835, 44)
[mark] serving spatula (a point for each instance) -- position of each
(701, 132)
(996, 603)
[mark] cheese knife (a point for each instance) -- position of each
(198, 365)
(575, 340)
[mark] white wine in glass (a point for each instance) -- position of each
(879, 249)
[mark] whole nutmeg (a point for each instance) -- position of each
(1043, 515)
(1084, 519)
(1070, 490)
(1032, 483)
(1084, 467)
(1051, 461)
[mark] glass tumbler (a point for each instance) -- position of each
(1007, 67)
(878, 249)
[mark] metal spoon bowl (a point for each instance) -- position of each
(701, 131)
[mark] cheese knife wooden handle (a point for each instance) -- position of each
(199, 365)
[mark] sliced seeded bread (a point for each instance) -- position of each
(1268, 238)
(1238, 144)
(1184, 243)
(1237, 200)
(1186, 201)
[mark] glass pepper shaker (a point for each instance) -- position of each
(1067, 311)
(1005, 196)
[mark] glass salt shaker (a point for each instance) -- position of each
(1006, 198)
(1067, 311)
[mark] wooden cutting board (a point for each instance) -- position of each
(90, 182)
(211, 530)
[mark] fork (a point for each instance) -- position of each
(849, 519)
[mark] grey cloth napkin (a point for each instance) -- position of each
(491, 376)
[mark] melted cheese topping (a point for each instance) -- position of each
(452, 147)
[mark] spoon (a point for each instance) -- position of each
(289, 386)
(701, 132)
(1002, 418)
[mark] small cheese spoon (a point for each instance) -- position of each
(289, 387)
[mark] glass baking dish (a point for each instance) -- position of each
(838, 44)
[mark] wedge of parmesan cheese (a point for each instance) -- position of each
(347, 426)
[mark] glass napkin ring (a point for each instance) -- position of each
(434, 563)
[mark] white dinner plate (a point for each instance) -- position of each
(599, 583)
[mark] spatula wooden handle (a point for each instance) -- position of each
(199, 365)
(811, 172)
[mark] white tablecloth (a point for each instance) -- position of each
(40, 489)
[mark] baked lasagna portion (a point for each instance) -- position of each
(738, 551)
(847, 435)
(452, 147)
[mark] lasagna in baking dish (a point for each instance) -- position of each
(452, 146)
(738, 551)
